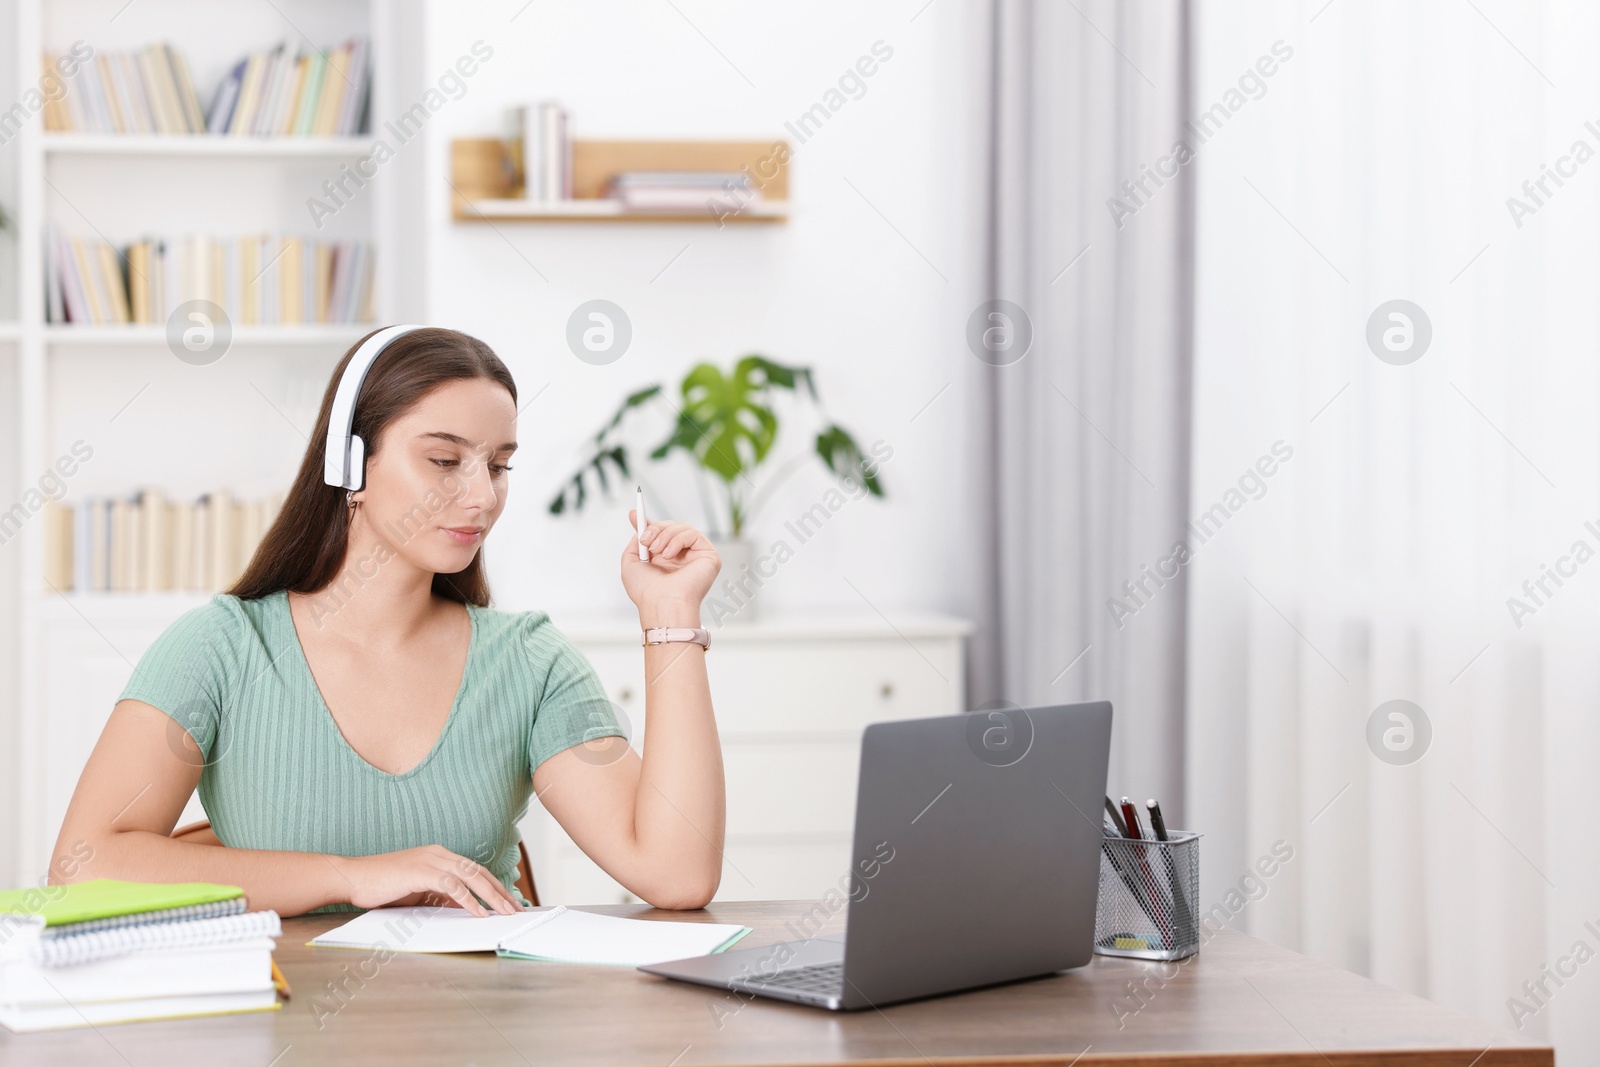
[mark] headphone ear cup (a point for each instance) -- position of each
(358, 462)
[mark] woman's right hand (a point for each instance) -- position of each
(430, 873)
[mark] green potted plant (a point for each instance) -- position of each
(726, 424)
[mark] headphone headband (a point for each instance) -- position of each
(344, 459)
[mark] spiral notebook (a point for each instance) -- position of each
(558, 934)
(151, 937)
(108, 899)
(214, 910)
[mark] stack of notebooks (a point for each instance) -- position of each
(146, 543)
(103, 952)
(276, 93)
(258, 279)
(682, 191)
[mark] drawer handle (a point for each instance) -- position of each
(624, 694)
(886, 691)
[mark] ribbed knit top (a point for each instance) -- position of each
(279, 775)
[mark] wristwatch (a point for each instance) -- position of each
(661, 635)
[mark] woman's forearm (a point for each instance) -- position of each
(289, 883)
(679, 814)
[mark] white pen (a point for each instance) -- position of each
(638, 516)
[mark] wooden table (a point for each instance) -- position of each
(1240, 1001)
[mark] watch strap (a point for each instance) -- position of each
(661, 635)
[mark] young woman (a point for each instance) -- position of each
(364, 730)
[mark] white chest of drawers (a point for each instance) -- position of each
(791, 696)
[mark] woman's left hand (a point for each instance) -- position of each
(683, 563)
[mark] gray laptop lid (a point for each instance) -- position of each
(977, 849)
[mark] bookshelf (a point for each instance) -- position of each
(480, 186)
(10, 451)
(119, 386)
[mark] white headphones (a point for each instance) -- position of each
(344, 460)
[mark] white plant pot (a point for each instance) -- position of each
(735, 595)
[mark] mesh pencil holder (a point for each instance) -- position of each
(1149, 898)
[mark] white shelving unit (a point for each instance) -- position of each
(60, 383)
(96, 144)
(10, 452)
(69, 336)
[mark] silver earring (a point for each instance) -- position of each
(350, 497)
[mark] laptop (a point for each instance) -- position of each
(976, 861)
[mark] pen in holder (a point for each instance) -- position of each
(1149, 897)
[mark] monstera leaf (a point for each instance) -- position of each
(726, 423)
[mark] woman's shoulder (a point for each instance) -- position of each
(224, 608)
(497, 623)
(223, 618)
(214, 637)
(530, 634)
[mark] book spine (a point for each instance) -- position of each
(80, 260)
(99, 545)
(58, 545)
(190, 100)
(355, 101)
(139, 102)
(247, 91)
(55, 294)
(222, 106)
(333, 89)
(82, 552)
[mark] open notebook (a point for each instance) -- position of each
(558, 933)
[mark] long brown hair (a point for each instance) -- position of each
(306, 544)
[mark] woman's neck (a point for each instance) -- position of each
(377, 598)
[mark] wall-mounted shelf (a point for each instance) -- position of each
(97, 144)
(481, 187)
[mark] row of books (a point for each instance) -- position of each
(280, 93)
(538, 151)
(103, 951)
(147, 543)
(275, 93)
(259, 279)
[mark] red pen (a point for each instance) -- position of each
(1130, 815)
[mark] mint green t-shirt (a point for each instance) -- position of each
(279, 775)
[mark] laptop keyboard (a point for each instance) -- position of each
(818, 978)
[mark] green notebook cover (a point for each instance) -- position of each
(105, 898)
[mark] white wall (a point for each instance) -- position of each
(836, 287)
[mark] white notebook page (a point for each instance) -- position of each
(426, 930)
(554, 933)
(584, 937)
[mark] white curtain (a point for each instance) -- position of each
(1089, 429)
(1378, 162)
